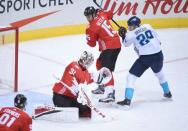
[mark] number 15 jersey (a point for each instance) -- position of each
(100, 30)
(145, 40)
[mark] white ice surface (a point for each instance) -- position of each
(40, 59)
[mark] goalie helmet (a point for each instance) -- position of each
(20, 101)
(134, 21)
(90, 10)
(86, 59)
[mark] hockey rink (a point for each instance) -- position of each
(39, 60)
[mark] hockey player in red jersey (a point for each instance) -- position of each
(76, 71)
(14, 118)
(100, 30)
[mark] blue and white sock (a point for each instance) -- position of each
(165, 87)
(129, 93)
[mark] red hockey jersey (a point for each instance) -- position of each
(100, 30)
(14, 119)
(73, 70)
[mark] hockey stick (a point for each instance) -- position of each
(89, 104)
(95, 1)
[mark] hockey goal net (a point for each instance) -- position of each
(9, 58)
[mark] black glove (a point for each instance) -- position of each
(97, 10)
(122, 32)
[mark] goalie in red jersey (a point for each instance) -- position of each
(14, 118)
(100, 30)
(66, 92)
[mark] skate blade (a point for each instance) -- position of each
(122, 107)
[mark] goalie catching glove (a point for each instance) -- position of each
(103, 76)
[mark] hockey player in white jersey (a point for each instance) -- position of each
(148, 46)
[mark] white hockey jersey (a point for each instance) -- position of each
(145, 40)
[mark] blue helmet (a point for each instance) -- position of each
(134, 21)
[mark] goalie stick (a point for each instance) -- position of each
(89, 104)
(95, 1)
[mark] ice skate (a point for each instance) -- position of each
(124, 102)
(110, 98)
(168, 95)
(99, 90)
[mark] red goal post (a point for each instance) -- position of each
(16, 46)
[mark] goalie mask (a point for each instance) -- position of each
(20, 101)
(86, 59)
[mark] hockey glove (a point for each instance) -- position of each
(81, 99)
(122, 32)
(97, 10)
